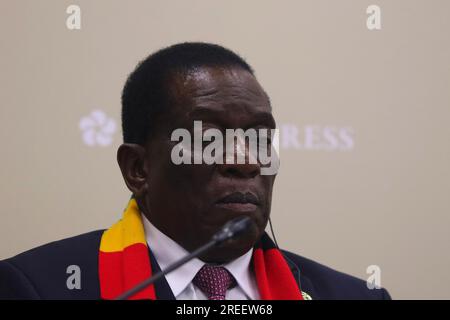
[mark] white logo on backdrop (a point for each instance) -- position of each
(97, 129)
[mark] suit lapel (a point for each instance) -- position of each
(162, 288)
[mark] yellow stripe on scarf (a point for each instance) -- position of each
(127, 231)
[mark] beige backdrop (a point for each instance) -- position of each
(365, 154)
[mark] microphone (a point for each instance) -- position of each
(231, 230)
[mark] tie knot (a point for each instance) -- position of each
(214, 281)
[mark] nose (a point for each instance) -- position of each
(246, 168)
(240, 163)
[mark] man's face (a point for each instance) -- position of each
(189, 203)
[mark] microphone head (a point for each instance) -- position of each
(232, 229)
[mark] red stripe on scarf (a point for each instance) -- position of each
(273, 276)
(121, 270)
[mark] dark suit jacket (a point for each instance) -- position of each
(41, 273)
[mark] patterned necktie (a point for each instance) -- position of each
(214, 281)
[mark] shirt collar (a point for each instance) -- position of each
(167, 251)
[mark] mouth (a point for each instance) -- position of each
(239, 202)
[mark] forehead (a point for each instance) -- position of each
(219, 89)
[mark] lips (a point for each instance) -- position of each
(239, 201)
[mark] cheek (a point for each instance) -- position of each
(190, 178)
(187, 185)
(268, 182)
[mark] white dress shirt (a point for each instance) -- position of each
(166, 251)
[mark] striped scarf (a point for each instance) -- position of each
(124, 261)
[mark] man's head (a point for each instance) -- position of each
(189, 203)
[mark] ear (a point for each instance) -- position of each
(132, 163)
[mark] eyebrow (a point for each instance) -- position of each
(264, 118)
